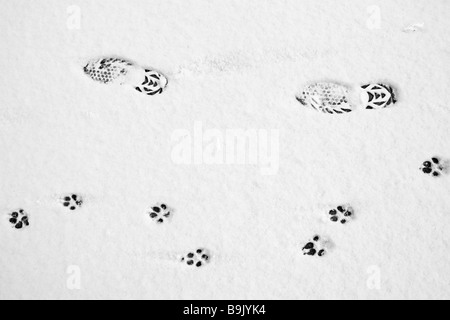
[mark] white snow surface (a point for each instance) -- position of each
(231, 64)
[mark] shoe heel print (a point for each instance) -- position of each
(122, 72)
(377, 96)
(154, 83)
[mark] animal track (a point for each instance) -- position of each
(197, 259)
(72, 202)
(315, 247)
(433, 167)
(342, 214)
(377, 96)
(326, 97)
(19, 219)
(160, 213)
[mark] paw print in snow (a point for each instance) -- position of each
(433, 167)
(19, 219)
(197, 259)
(72, 202)
(315, 247)
(160, 213)
(342, 214)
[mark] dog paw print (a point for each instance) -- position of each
(316, 246)
(72, 202)
(434, 167)
(198, 259)
(342, 214)
(19, 219)
(160, 213)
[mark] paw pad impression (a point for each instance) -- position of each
(160, 213)
(72, 202)
(19, 219)
(198, 259)
(316, 246)
(433, 167)
(342, 214)
(326, 97)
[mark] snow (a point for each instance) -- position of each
(231, 65)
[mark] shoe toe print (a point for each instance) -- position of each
(342, 214)
(197, 259)
(326, 97)
(160, 213)
(19, 219)
(72, 201)
(108, 70)
(433, 167)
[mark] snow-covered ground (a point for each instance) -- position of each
(231, 64)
